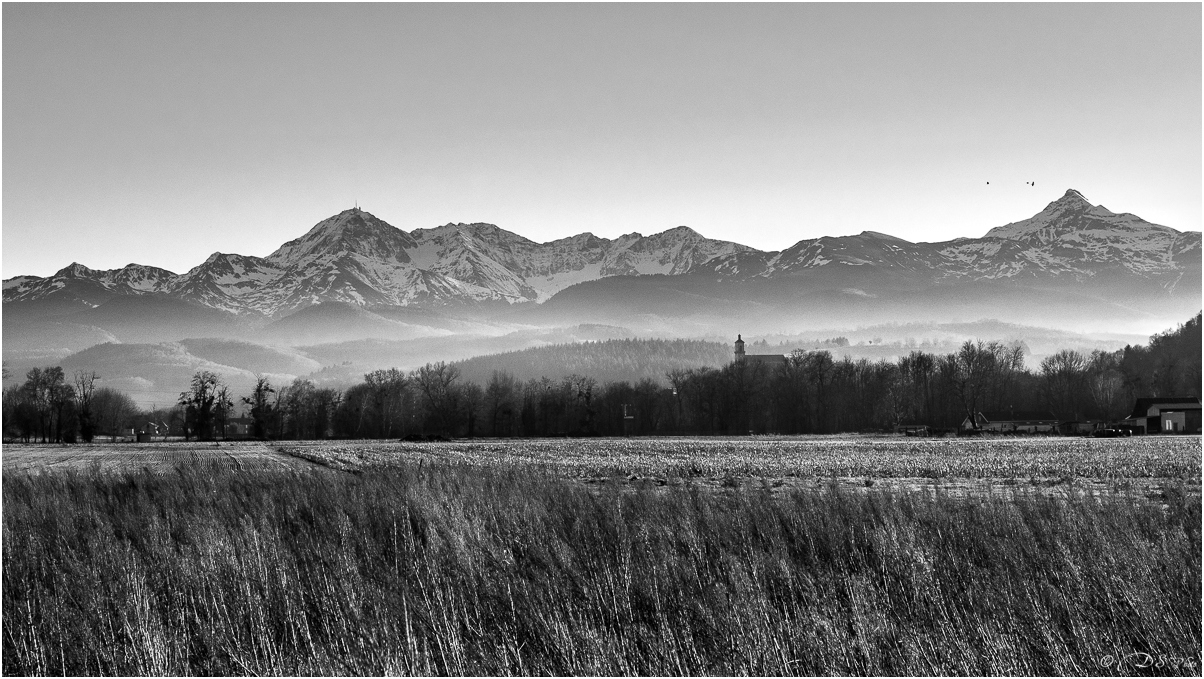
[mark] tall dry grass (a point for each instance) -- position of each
(451, 570)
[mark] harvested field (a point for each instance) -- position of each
(884, 457)
(1001, 468)
(155, 456)
(959, 467)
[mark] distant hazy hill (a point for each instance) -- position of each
(605, 361)
(256, 358)
(340, 322)
(346, 362)
(145, 318)
(157, 373)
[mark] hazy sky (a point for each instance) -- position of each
(159, 134)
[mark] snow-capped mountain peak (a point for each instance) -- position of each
(76, 270)
(1070, 237)
(1073, 196)
(354, 232)
(1073, 214)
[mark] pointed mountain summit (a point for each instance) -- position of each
(351, 232)
(1072, 237)
(1072, 197)
(1073, 213)
(75, 270)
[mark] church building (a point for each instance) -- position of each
(768, 360)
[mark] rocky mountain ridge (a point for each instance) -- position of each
(1069, 238)
(354, 257)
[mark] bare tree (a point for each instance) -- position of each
(917, 370)
(500, 396)
(50, 397)
(581, 391)
(388, 389)
(818, 367)
(111, 409)
(435, 382)
(1064, 377)
(223, 404)
(85, 388)
(471, 398)
(199, 403)
(261, 406)
(973, 369)
(677, 383)
(1106, 385)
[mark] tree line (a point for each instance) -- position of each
(810, 392)
(49, 407)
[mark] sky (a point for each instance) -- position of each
(161, 133)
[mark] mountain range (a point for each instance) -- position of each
(353, 277)
(357, 258)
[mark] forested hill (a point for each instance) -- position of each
(606, 361)
(1170, 365)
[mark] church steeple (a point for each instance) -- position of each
(739, 348)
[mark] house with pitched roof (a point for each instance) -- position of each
(1012, 422)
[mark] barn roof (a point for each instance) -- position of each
(1143, 405)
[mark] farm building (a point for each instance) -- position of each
(239, 427)
(1166, 415)
(768, 360)
(1080, 427)
(913, 430)
(151, 430)
(1013, 422)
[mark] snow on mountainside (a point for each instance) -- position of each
(354, 257)
(1069, 238)
(233, 283)
(1072, 237)
(79, 280)
(866, 249)
(349, 232)
(357, 258)
(523, 269)
(18, 281)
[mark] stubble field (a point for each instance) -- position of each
(1135, 466)
(668, 556)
